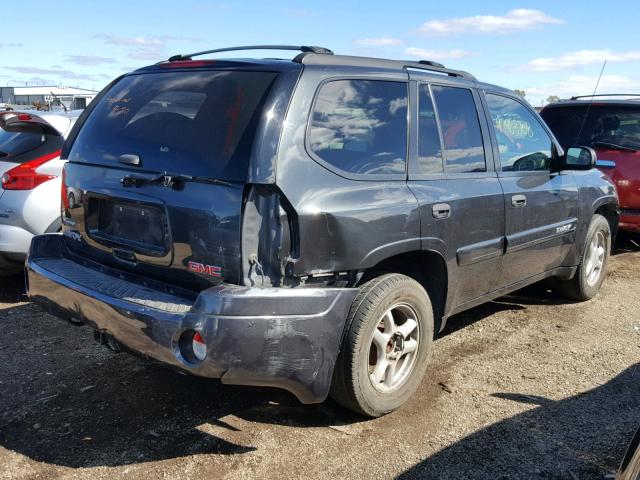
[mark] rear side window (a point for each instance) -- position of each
(24, 146)
(463, 147)
(196, 123)
(360, 126)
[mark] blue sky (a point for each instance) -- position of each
(545, 47)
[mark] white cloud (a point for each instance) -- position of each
(89, 59)
(515, 20)
(583, 85)
(38, 70)
(151, 48)
(57, 72)
(148, 53)
(130, 41)
(377, 42)
(425, 54)
(578, 59)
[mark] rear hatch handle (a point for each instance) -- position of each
(129, 159)
(170, 180)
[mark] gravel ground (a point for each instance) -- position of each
(527, 386)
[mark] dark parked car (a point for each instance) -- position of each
(310, 224)
(612, 128)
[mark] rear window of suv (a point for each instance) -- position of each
(604, 124)
(195, 123)
(24, 146)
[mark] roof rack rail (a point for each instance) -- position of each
(349, 60)
(431, 63)
(606, 95)
(302, 48)
(438, 67)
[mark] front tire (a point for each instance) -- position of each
(593, 264)
(386, 347)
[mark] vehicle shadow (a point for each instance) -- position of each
(69, 402)
(12, 289)
(536, 294)
(66, 401)
(586, 436)
(627, 242)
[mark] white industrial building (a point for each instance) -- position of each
(48, 96)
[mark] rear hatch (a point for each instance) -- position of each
(156, 172)
(26, 138)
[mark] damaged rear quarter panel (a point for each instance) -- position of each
(344, 223)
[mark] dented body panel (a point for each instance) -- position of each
(287, 338)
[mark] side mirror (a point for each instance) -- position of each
(580, 158)
(605, 163)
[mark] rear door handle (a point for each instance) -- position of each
(441, 210)
(518, 200)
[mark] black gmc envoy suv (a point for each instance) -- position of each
(310, 224)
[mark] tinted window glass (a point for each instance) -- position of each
(429, 147)
(20, 147)
(618, 125)
(196, 123)
(463, 147)
(523, 144)
(360, 126)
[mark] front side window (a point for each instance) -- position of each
(461, 134)
(360, 126)
(523, 144)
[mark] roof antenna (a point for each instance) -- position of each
(586, 115)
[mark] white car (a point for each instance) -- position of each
(30, 167)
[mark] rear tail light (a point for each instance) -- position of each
(63, 192)
(25, 176)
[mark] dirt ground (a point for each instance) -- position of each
(528, 386)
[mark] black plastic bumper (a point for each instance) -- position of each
(286, 338)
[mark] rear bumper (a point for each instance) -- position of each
(286, 338)
(14, 244)
(14, 239)
(629, 220)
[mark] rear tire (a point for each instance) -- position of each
(386, 347)
(593, 264)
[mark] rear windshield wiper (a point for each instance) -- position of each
(170, 180)
(615, 146)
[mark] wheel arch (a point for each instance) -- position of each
(610, 211)
(428, 268)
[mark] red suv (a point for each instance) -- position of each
(612, 128)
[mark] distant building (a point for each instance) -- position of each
(47, 96)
